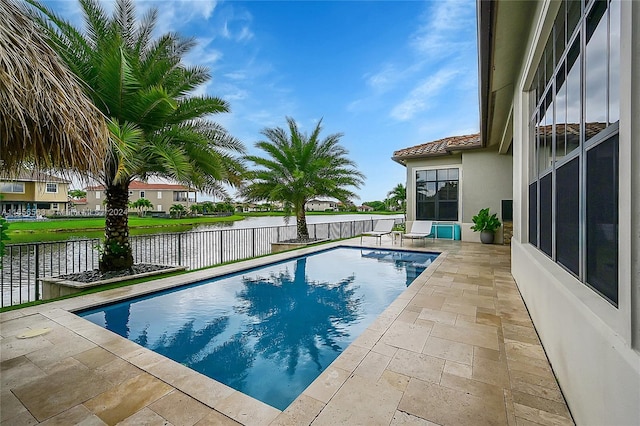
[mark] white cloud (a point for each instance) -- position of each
(445, 29)
(418, 99)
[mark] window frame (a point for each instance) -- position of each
(541, 88)
(53, 185)
(436, 206)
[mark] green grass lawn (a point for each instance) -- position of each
(62, 229)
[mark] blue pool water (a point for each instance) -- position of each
(268, 332)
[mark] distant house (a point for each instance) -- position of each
(33, 194)
(321, 205)
(365, 208)
(161, 195)
(451, 179)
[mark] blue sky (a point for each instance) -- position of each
(386, 74)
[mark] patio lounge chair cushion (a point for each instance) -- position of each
(420, 229)
(383, 227)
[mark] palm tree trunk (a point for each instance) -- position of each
(116, 253)
(301, 219)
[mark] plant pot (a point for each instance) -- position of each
(486, 237)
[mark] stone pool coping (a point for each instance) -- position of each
(376, 380)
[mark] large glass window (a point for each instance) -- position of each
(14, 187)
(573, 191)
(437, 194)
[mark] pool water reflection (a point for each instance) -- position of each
(268, 332)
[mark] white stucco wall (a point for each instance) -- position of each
(593, 346)
(487, 181)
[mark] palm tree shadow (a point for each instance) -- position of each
(297, 317)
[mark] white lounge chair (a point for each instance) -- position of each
(383, 227)
(419, 229)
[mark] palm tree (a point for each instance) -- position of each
(398, 196)
(156, 127)
(46, 120)
(299, 167)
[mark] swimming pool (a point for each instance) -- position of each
(268, 332)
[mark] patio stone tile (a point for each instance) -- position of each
(543, 404)
(77, 415)
(546, 381)
(117, 371)
(384, 349)
(488, 319)
(21, 324)
(217, 419)
(180, 409)
(23, 419)
(405, 419)
(491, 372)
(327, 384)
(421, 366)
(406, 336)
(491, 354)
(397, 380)
(407, 316)
(457, 308)
(438, 316)
(457, 369)
(424, 301)
(18, 372)
(553, 394)
(12, 347)
(43, 398)
(372, 366)
(95, 357)
(120, 402)
(520, 333)
(246, 410)
(541, 417)
(465, 335)
(361, 402)
(473, 325)
(10, 406)
(515, 349)
(204, 389)
(448, 292)
(383, 322)
(484, 390)
(145, 417)
(351, 357)
(435, 403)
(368, 338)
(535, 366)
(448, 349)
(302, 411)
(57, 352)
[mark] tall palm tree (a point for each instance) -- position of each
(156, 127)
(398, 196)
(299, 167)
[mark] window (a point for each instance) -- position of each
(12, 187)
(159, 195)
(54, 206)
(437, 194)
(141, 194)
(573, 191)
(52, 188)
(97, 195)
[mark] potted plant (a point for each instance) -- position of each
(486, 224)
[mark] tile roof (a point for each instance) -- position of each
(137, 185)
(437, 148)
(33, 176)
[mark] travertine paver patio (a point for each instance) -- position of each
(456, 348)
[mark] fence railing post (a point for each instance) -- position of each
(253, 242)
(179, 249)
(37, 274)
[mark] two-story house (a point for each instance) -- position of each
(32, 193)
(161, 195)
